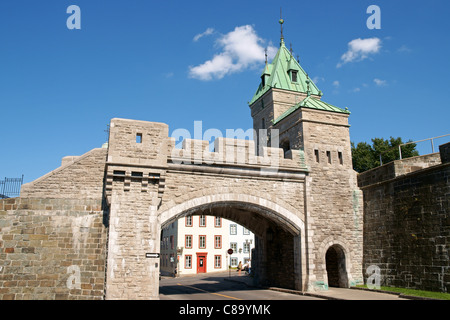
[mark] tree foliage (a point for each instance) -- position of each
(366, 156)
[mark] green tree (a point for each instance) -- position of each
(366, 156)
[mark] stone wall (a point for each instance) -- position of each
(444, 150)
(397, 168)
(52, 249)
(407, 224)
(53, 238)
(79, 178)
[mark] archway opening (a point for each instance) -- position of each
(276, 251)
(336, 267)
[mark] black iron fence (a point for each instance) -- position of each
(10, 187)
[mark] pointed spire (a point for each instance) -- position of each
(281, 21)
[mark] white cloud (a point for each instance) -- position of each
(206, 33)
(336, 84)
(360, 49)
(379, 82)
(241, 49)
(404, 48)
(318, 79)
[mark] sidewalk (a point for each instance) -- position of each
(330, 294)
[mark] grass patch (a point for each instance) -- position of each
(414, 293)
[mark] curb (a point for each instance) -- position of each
(312, 294)
(400, 295)
(291, 291)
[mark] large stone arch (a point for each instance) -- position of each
(267, 208)
(284, 222)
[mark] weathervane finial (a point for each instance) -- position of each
(281, 21)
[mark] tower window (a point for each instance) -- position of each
(138, 137)
(329, 156)
(294, 75)
(341, 159)
(285, 146)
(316, 154)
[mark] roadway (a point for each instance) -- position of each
(218, 286)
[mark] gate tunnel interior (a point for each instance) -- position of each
(277, 255)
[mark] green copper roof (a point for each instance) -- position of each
(278, 75)
(311, 103)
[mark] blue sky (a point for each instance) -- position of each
(177, 62)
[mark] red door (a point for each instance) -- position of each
(201, 263)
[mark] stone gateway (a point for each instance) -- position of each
(83, 230)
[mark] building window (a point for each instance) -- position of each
(234, 262)
(202, 221)
(188, 262)
(233, 246)
(246, 231)
(189, 221)
(217, 242)
(217, 262)
(246, 247)
(316, 154)
(218, 222)
(188, 241)
(172, 243)
(201, 242)
(341, 160)
(233, 229)
(329, 156)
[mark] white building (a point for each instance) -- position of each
(242, 241)
(199, 244)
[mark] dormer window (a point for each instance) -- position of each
(294, 75)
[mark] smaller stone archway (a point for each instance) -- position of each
(335, 268)
(335, 262)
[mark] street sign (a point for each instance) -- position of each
(152, 255)
(230, 251)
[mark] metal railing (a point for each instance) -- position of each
(404, 144)
(10, 187)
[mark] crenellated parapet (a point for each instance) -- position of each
(228, 151)
(140, 143)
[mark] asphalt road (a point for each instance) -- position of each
(216, 287)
